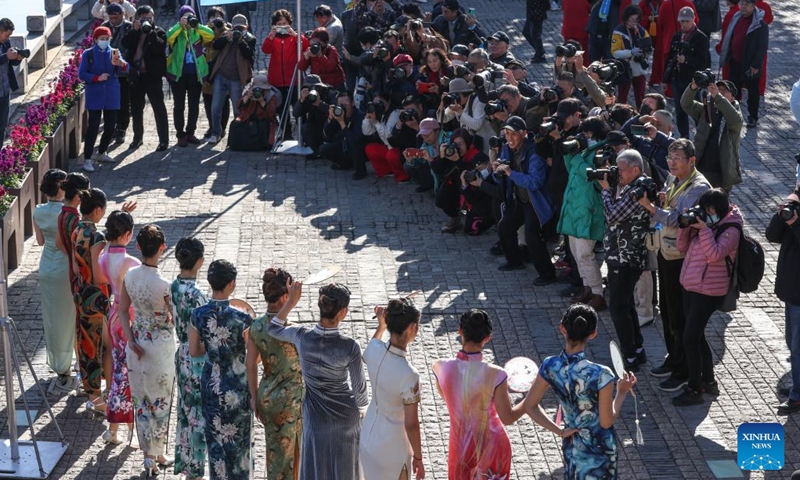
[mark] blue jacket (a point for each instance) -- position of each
(533, 177)
(100, 95)
(12, 77)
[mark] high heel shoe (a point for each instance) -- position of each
(150, 467)
(110, 437)
(97, 406)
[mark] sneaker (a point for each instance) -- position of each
(598, 302)
(661, 371)
(161, 147)
(542, 281)
(672, 384)
(182, 142)
(789, 407)
(599, 248)
(690, 396)
(631, 365)
(110, 437)
(641, 357)
(506, 267)
(752, 122)
(119, 138)
(212, 139)
(87, 166)
(102, 158)
(711, 388)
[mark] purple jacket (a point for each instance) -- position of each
(704, 269)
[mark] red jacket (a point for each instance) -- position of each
(574, 25)
(768, 18)
(328, 66)
(283, 58)
(704, 269)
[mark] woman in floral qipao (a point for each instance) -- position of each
(220, 331)
(190, 438)
(584, 390)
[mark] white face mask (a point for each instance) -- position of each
(484, 173)
(103, 44)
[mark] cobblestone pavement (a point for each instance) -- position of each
(258, 211)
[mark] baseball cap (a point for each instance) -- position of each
(114, 9)
(428, 125)
(451, 4)
(500, 37)
(686, 13)
(402, 59)
(515, 124)
(794, 197)
(515, 64)
(567, 107)
(239, 20)
(459, 85)
(460, 50)
(615, 137)
(729, 86)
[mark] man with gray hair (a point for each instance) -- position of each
(653, 142)
(627, 223)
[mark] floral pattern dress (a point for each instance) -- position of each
(190, 439)
(592, 452)
(280, 401)
(152, 377)
(226, 397)
(479, 445)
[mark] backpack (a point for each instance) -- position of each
(749, 265)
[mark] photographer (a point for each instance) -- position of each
(313, 107)
(510, 103)
(452, 159)
(146, 44)
(631, 44)
(688, 54)
(456, 27)
(587, 80)
(627, 223)
(100, 10)
(651, 136)
(324, 60)
(477, 202)
(418, 160)
(711, 249)
(516, 74)
(9, 58)
(187, 70)
(259, 107)
(119, 27)
(522, 174)
(217, 23)
(719, 128)
(784, 228)
(418, 39)
(343, 136)
(379, 122)
(461, 104)
(405, 131)
(563, 89)
(431, 82)
(231, 71)
(404, 79)
(680, 192)
(498, 49)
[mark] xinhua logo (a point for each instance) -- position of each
(760, 446)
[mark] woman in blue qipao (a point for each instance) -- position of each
(584, 390)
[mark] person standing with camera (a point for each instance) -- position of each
(324, 60)
(784, 228)
(232, 70)
(631, 44)
(743, 50)
(187, 69)
(688, 54)
(719, 129)
(119, 27)
(9, 58)
(627, 223)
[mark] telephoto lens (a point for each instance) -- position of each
(567, 50)
(315, 48)
(312, 96)
(450, 150)
(338, 111)
(146, 27)
(788, 211)
(496, 142)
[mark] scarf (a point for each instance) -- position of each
(605, 7)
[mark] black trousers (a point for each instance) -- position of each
(448, 198)
(514, 216)
(287, 126)
(109, 122)
(334, 151)
(622, 307)
(698, 308)
(226, 111)
(151, 87)
(312, 135)
(186, 86)
(124, 113)
(420, 173)
(671, 304)
(532, 31)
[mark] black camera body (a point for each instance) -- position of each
(192, 21)
(644, 186)
(218, 23)
(450, 149)
(552, 124)
(384, 49)
(338, 111)
(415, 25)
(471, 175)
(605, 156)
(450, 98)
(315, 48)
(377, 108)
(312, 96)
(552, 94)
(408, 115)
(691, 216)
(257, 92)
(568, 50)
(611, 174)
(146, 27)
(496, 106)
(399, 74)
(237, 35)
(24, 52)
(496, 141)
(788, 211)
(575, 144)
(704, 78)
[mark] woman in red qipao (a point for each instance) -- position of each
(733, 8)
(667, 25)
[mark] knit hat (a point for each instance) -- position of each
(184, 10)
(100, 31)
(114, 8)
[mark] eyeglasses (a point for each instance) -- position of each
(675, 158)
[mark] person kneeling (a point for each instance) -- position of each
(255, 127)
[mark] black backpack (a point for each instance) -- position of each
(749, 265)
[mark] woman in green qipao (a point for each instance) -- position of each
(278, 398)
(190, 440)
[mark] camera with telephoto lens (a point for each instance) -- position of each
(552, 94)
(496, 142)
(575, 144)
(605, 156)
(568, 50)
(383, 49)
(217, 23)
(257, 92)
(312, 96)
(704, 78)
(192, 21)
(415, 25)
(315, 48)
(450, 149)
(640, 130)
(608, 71)
(399, 73)
(237, 35)
(644, 186)
(377, 108)
(482, 78)
(456, 71)
(408, 115)
(552, 124)
(611, 174)
(338, 111)
(146, 27)
(496, 106)
(450, 98)
(788, 211)
(691, 216)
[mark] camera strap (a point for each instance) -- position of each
(672, 193)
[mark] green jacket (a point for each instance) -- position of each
(177, 39)
(582, 210)
(728, 142)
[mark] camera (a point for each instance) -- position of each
(552, 94)
(415, 25)
(450, 149)
(192, 21)
(496, 142)
(237, 35)
(24, 52)
(456, 71)
(644, 186)
(218, 23)
(384, 49)
(691, 216)
(640, 130)
(480, 79)
(338, 111)
(788, 211)
(471, 175)
(575, 144)
(605, 156)
(399, 74)
(312, 96)
(609, 70)
(611, 174)
(377, 108)
(568, 50)
(315, 48)
(552, 124)
(146, 27)
(704, 78)
(408, 115)
(497, 106)
(258, 92)
(450, 98)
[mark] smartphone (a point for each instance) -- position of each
(640, 130)
(415, 153)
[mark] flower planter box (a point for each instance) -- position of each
(12, 237)
(83, 114)
(26, 199)
(55, 145)
(72, 130)
(40, 167)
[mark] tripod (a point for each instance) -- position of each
(22, 459)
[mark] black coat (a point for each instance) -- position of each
(697, 56)
(155, 54)
(463, 34)
(755, 47)
(787, 276)
(12, 77)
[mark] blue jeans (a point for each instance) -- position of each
(222, 88)
(793, 342)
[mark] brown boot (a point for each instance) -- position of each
(584, 296)
(597, 302)
(452, 225)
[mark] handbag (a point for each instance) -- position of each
(249, 136)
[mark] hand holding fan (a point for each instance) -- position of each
(521, 373)
(322, 275)
(619, 369)
(243, 306)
